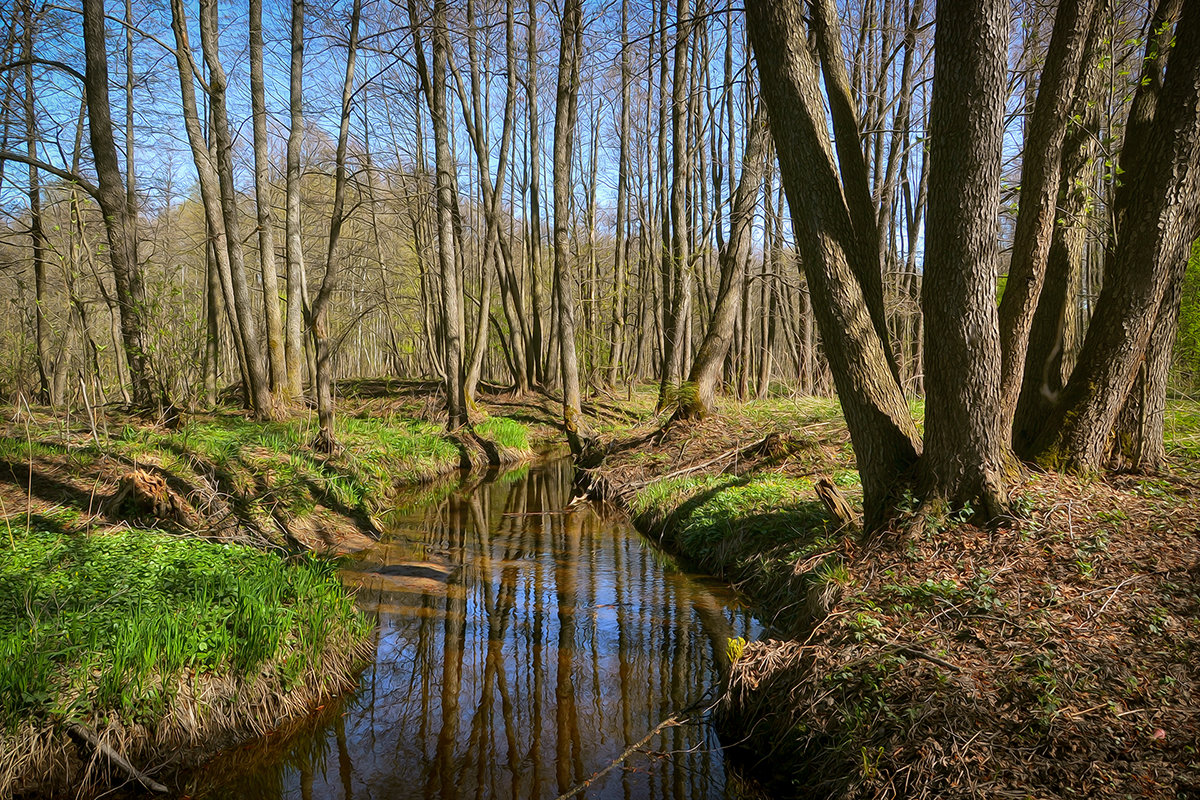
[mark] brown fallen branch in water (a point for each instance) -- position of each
(118, 760)
(669, 722)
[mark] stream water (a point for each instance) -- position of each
(523, 644)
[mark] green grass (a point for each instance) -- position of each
(1181, 430)
(93, 625)
(505, 432)
(267, 467)
(748, 516)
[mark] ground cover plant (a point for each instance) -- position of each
(141, 630)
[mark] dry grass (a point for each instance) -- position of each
(209, 710)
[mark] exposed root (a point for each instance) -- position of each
(115, 758)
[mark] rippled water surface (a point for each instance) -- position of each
(522, 645)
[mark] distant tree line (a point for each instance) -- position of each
(988, 203)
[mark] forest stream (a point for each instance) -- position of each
(523, 643)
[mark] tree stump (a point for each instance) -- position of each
(835, 503)
(145, 495)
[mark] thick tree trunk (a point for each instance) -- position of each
(1055, 334)
(1138, 444)
(866, 263)
(111, 197)
(881, 428)
(1156, 222)
(965, 452)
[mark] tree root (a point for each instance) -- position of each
(115, 758)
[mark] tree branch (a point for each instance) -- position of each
(65, 174)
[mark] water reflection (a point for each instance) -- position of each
(522, 646)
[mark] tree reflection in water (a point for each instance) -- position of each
(522, 645)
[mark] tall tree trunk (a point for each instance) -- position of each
(1156, 220)
(734, 259)
(679, 268)
(262, 202)
(1138, 444)
(322, 340)
(1041, 166)
(881, 428)
(965, 452)
(616, 351)
(259, 391)
(1055, 334)
(446, 185)
(294, 334)
(866, 263)
(565, 113)
(111, 197)
(37, 236)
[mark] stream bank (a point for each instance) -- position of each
(1053, 657)
(161, 593)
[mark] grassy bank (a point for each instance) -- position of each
(158, 643)
(156, 586)
(1054, 657)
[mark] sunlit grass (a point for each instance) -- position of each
(93, 624)
(505, 432)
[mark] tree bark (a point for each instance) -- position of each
(565, 113)
(259, 391)
(734, 259)
(37, 235)
(680, 279)
(262, 202)
(617, 330)
(965, 451)
(1156, 222)
(881, 428)
(1041, 167)
(326, 441)
(111, 197)
(1055, 334)
(446, 185)
(294, 334)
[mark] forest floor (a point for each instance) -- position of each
(166, 590)
(1057, 655)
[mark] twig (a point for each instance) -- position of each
(11, 541)
(1111, 596)
(29, 449)
(579, 788)
(916, 652)
(118, 760)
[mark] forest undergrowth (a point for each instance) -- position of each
(1051, 656)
